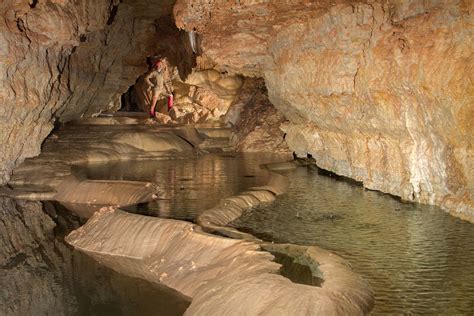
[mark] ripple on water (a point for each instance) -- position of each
(417, 258)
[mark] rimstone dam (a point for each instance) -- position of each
(207, 157)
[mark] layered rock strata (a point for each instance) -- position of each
(378, 91)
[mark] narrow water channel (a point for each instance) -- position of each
(418, 259)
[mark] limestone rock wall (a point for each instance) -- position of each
(35, 44)
(255, 121)
(33, 265)
(61, 60)
(380, 91)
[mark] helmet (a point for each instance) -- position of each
(157, 63)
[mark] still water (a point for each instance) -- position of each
(192, 185)
(418, 259)
(41, 275)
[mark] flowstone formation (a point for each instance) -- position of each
(204, 97)
(218, 273)
(379, 91)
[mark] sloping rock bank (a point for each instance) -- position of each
(222, 276)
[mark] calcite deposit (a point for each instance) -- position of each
(379, 91)
(205, 96)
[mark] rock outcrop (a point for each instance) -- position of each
(256, 122)
(379, 91)
(205, 96)
(33, 265)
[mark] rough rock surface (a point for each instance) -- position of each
(64, 59)
(378, 91)
(32, 264)
(256, 121)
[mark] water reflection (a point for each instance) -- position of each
(417, 259)
(189, 186)
(41, 275)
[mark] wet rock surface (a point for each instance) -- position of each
(55, 174)
(379, 92)
(31, 261)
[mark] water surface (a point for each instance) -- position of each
(418, 259)
(192, 185)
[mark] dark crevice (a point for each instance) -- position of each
(112, 15)
(15, 261)
(20, 25)
(33, 4)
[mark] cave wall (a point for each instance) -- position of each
(379, 91)
(62, 60)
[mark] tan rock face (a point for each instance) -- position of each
(63, 60)
(380, 92)
(205, 96)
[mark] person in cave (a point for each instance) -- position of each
(153, 85)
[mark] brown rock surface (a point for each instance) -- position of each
(257, 122)
(380, 91)
(32, 262)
